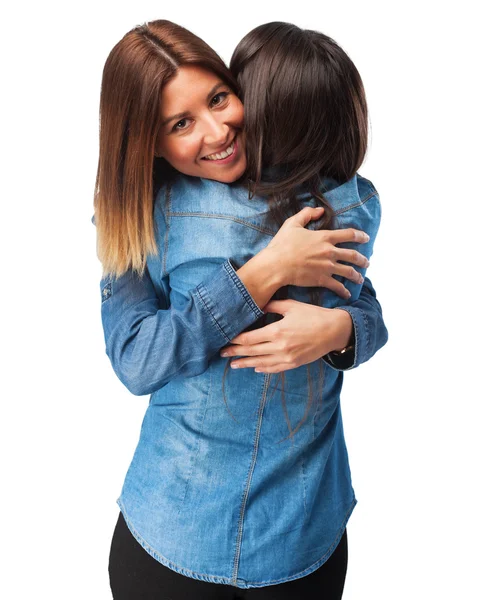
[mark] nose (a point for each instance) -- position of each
(216, 131)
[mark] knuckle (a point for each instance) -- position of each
(275, 331)
(330, 252)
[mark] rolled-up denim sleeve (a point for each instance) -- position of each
(370, 331)
(150, 342)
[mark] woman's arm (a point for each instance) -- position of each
(369, 330)
(149, 342)
(308, 332)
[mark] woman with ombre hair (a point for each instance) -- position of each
(203, 215)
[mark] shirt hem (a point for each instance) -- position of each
(240, 583)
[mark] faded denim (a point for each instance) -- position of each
(212, 492)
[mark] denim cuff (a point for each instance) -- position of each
(361, 333)
(228, 302)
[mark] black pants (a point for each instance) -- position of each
(135, 575)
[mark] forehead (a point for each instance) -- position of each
(191, 85)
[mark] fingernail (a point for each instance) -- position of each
(234, 366)
(223, 354)
(367, 237)
(258, 371)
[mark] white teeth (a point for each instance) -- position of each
(224, 154)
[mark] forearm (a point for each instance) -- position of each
(261, 276)
(369, 332)
(149, 343)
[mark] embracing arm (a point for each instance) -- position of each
(308, 332)
(369, 332)
(149, 342)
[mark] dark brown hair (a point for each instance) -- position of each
(306, 120)
(135, 72)
(305, 109)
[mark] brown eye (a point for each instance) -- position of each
(219, 98)
(181, 125)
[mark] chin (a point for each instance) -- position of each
(231, 178)
(235, 174)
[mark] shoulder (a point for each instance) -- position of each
(350, 195)
(366, 189)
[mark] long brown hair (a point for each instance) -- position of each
(305, 120)
(135, 72)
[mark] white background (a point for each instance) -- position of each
(69, 427)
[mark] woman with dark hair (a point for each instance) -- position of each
(211, 493)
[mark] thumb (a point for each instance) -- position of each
(279, 307)
(303, 217)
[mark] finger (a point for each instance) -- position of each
(351, 256)
(348, 272)
(255, 350)
(279, 307)
(257, 362)
(347, 235)
(257, 336)
(304, 216)
(337, 287)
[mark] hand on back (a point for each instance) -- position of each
(310, 258)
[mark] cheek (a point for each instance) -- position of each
(237, 113)
(181, 151)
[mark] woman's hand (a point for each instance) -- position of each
(310, 258)
(306, 333)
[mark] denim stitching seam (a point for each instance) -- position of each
(167, 219)
(166, 561)
(199, 293)
(366, 327)
(240, 286)
(225, 217)
(239, 538)
(320, 561)
(343, 210)
(218, 579)
(200, 432)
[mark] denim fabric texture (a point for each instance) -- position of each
(212, 492)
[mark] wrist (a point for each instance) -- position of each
(261, 276)
(343, 340)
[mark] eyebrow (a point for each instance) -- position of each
(183, 115)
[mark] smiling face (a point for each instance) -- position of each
(201, 133)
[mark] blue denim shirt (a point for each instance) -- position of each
(212, 490)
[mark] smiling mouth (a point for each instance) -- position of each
(222, 155)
